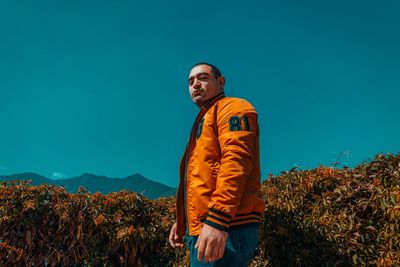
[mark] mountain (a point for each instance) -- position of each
(37, 179)
(96, 183)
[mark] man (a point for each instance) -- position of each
(219, 204)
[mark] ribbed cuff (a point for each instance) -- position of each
(218, 219)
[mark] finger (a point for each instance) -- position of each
(220, 252)
(171, 241)
(201, 245)
(209, 252)
(198, 239)
(176, 239)
(172, 236)
(178, 242)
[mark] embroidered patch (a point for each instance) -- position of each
(199, 129)
(246, 123)
(234, 124)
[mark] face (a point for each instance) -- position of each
(203, 85)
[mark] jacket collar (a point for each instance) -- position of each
(210, 102)
(204, 109)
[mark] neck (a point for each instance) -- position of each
(206, 103)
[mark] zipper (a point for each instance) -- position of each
(186, 168)
(201, 114)
(184, 187)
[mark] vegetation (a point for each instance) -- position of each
(319, 217)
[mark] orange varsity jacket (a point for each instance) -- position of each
(220, 169)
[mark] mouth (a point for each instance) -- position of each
(197, 93)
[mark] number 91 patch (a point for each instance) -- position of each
(237, 123)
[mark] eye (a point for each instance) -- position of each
(202, 77)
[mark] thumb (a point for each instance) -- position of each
(177, 237)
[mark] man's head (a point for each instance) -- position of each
(205, 81)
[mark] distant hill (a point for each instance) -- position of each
(95, 183)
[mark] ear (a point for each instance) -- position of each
(221, 80)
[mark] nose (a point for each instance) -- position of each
(196, 84)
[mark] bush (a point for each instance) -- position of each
(319, 217)
(45, 225)
(331, 217)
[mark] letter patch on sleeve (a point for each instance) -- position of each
(246, 123)
(199, 129)
(235, 123)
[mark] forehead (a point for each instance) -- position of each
(200, 69)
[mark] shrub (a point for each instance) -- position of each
(331, 217)
(319, 217)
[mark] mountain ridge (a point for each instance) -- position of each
(99, 183)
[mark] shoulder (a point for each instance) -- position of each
(235, 115)
(235, 105)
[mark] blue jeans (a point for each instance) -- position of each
(239, 248)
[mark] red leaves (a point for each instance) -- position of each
(41, 224)
(320, 217)
(99, 219)
(330, 215)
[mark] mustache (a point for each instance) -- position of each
(199, 90)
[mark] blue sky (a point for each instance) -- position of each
(101, 86)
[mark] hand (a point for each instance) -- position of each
(174, 239)
(211, 244)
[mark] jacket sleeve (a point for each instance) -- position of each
(237, 133)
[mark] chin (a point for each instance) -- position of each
(198, 99)
(198, 102)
